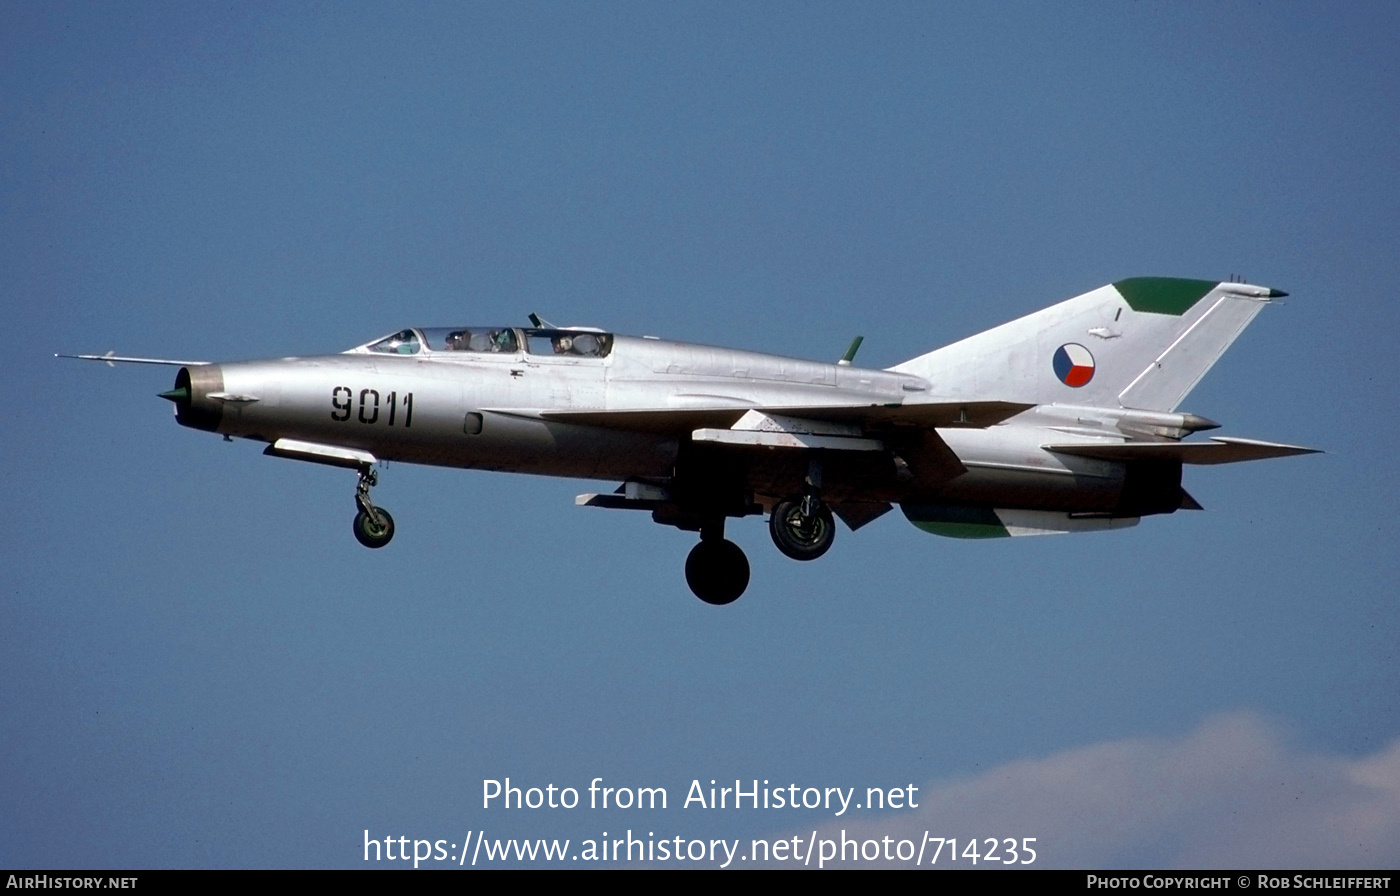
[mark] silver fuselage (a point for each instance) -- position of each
(484, 411)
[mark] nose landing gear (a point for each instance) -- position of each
(374, 527)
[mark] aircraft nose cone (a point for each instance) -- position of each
(193, 406)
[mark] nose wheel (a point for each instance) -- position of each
(717, 570)
(374, 527)
(372, 532)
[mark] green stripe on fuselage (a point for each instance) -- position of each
(964, 530)
(956, 522)
(1163, 295)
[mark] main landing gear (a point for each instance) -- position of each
(802, 528)
(373, 525)
(716, 570)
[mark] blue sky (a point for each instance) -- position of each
(201, 668)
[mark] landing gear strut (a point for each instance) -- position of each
(802, 526)
(716, 570)
(373, 525)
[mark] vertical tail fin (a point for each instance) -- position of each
(1140, 343)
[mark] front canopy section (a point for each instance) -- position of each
(404, 342)
(482, 340)
(485, 340)
(432, 340)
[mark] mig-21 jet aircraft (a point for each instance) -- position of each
(1065, 420)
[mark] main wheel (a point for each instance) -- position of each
(717, 571)
(800, 537)
(372, 534)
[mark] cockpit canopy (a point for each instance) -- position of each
(495, 340)
(471, 339)
(404, 342)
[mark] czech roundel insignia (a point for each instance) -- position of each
(1073, 364)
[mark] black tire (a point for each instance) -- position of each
(373, 535)
(798, 537)
(717, 571)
